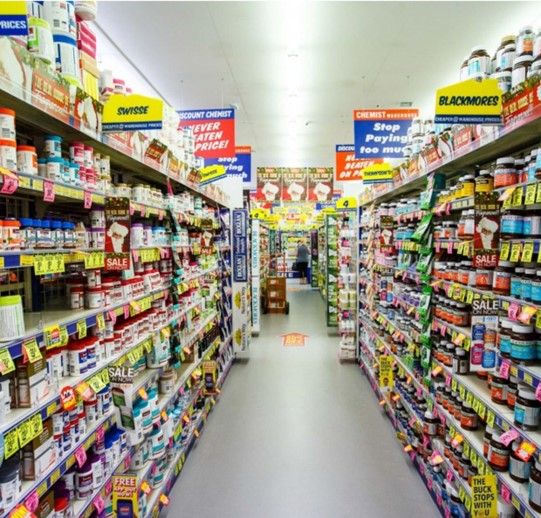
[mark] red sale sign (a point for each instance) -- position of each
(348, 168)
(214, 131)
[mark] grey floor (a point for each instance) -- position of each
(297, 435)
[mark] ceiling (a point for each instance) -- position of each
(296, 70)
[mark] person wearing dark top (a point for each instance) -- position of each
(303, 256)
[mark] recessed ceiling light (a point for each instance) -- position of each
(406, 104)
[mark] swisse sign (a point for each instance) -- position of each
(132, 113)
(382, 133)
(348, 168)
(469, 102)
(214, 131)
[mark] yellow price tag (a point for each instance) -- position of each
(531, 191)
(482, 411)
(26, 260)
(527, 252)
(6, 362)
(32, 350)
(105, 376)
(48, 264)
(94, 260)
(515, 252)
(24, 431)
(147, 344)
(538, 318)
(96, 384)
(454, 385)
(504, 251)
(37, 425)
(462, 392)
(538, 196)
(81, 329)
(466, 449)
(11, 444)
(469, 399)
(490, 418)
(517, 197)
(100, 322)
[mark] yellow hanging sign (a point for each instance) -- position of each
(212, 173)
(132, 113)
(469, 102)
(346, 203)
(377, 173)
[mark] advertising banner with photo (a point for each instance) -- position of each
(240, 165)
(294, 184)
(269, 184)
(117, 233)
(348, 168)
(486, 237)
(320, 184)
(382, 133)
(214, 131)
(484, 331)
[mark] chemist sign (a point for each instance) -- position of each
(239, 165)
(348, 168)
(484, 497)
(214, 131)
(382, 133)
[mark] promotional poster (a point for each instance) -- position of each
(320, 184)
(484, 331)
(117, 233)
(487, 230)
(294, 184)
(269, 184)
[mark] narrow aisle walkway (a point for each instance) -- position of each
(297, 435)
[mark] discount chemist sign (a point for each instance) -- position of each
(213, 130)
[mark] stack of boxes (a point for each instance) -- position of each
(86, 43)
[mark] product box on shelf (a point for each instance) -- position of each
(40, 454)
(32, 382)
(45, 507)
(521, 101)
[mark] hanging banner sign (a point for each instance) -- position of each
(213, 129)
(469, 102)
(294, 184)
(117, 233)
(132, 113)
(377, 173)
(348, 168)
(212, 173)
(13, 19)
(239, 165)
(320, 184)
(382, 133)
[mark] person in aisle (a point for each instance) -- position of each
(303, 255)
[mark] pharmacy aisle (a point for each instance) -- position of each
(297, 434)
